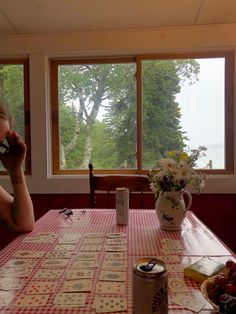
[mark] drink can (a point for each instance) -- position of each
(150, 286)
(122, 206)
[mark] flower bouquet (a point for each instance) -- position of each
(176, 172)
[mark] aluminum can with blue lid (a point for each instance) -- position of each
(150, 286)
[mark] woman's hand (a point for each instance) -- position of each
(13, 160)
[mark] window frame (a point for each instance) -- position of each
(229, 106)
(27, 140)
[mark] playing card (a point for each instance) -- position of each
(115, 255)
(175, 244)
(21, 263)
(84, 264)
(192, 303)
(110, 287)
(38, 287)
(50, 262)
(91, 247)
(52, 273)
(88, 256)
(112, 275)
(175, 268)
(15, 272)
(70, 299)
(79, 274)
(171, 251)
(93, 240)
(116, 235)
(64, 247)
(59, 254)
(41, 238)
(95, 235)
(115, 248)
(6, 298)
(170, 258)
(79, 285)
(118, 240)
(116, 264)
(109, 305)
(177, 285)
(70, 238)
(32, 300)
(11, 283)
(29, 254)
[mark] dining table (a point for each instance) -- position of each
(24, 261)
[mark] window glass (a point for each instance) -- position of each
(12, 94)
(97, 116)
(183, 108)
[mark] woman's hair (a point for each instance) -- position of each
(5, 114)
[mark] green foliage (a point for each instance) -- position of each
(12, 92)
(114, 139)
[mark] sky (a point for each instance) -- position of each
(202, 110)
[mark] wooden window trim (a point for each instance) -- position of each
(229, 106)
(25, 63)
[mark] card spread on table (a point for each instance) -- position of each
(70, 299)
(43, 238)
(11, 283)
(115, 241)
(79, 274)
(95, 235)
(6, 298)
(59, 254)
(21, 263)
(116, 235)
(177, 285)
(192, 303)
(115, 255)
(32, 300)
(50, 262)
(29, 254)
(175, 268)
(116, 264)
(111, 275)
(84, 264)
(64, 247)
(88, 256)
(48, 273)
(108, 304)
(170, 258)
(70, 238)
(115, 248)
(80, 285)
(37, 287)
(93, 240)
(91, 247)
(110, 287)
(15, 271)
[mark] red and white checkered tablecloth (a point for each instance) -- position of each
(143, 240)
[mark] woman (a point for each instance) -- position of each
(15, 211)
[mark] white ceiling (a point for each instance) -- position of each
(60, 16)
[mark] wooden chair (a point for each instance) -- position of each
(109, 183)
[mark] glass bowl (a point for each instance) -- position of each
(205, 292)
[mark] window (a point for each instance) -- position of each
(14, 93)
(123, 114)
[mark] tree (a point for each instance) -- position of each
(12, 93)
(89, 87)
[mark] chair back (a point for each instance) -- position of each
(109, 183)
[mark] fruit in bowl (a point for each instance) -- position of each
(220, 290)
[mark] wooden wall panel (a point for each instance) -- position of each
(217, 211)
